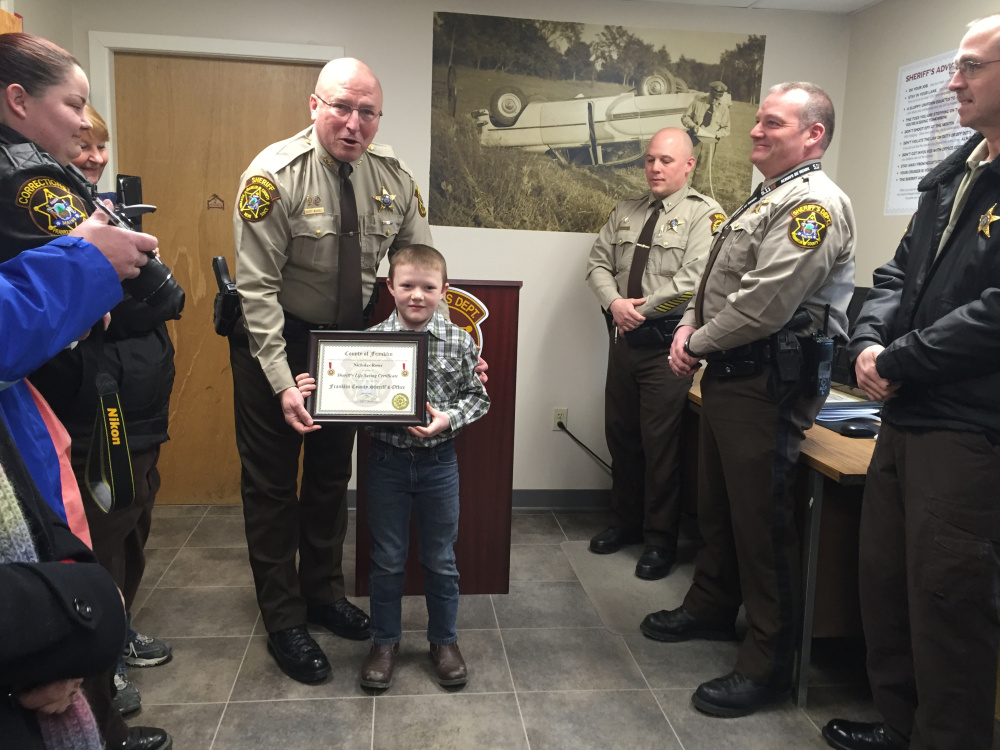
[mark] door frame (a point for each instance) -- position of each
(104, 45)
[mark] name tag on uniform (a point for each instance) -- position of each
(317, 210)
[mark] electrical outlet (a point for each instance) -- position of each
(560, 414)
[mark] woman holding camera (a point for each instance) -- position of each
(43, 93)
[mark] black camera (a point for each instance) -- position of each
(155, 284)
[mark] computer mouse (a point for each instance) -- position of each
(858, 430)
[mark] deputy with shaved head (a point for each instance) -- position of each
(926, 344)
(314, 216)
(644, 267)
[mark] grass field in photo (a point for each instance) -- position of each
(473, 186)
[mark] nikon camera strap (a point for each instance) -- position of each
(109, 465)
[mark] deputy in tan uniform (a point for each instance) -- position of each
(643, 400)
(790, 246)
(707, 122)
(299, 267)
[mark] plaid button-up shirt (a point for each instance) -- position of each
(452, 384)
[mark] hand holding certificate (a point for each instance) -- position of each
(368, 377)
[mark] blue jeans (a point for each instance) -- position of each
(424, 480)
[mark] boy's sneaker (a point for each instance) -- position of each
(127, 699)
(143, 651)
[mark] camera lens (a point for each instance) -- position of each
(154, 284)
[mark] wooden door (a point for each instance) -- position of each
(189, 126)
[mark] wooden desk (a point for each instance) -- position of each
(829, 455)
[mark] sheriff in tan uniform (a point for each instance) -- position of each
(644, 400)
(791, 245)
(294, 241)
(286, 225)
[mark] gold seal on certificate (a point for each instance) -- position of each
(369, 376)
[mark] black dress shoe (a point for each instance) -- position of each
(735, 695)
(147, 738)
(340, 618)
(859, 735)
(298, 655)
(677, 625)
(654, 563)
(613, 539)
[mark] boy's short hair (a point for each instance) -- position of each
(421, 256)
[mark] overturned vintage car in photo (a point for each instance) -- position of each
(598, 130)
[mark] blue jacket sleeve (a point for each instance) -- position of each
(49, 297)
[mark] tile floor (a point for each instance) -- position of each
(544, 673)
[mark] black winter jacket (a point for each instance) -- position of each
(939, 318)
(58, 621)
(39, 199)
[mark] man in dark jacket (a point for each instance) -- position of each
(928, 344)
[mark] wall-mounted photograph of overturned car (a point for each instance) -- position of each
(607, 130)
(562, 112)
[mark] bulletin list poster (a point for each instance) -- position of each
(925, 130)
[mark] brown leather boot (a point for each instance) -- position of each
(376, 672)
(449, 665)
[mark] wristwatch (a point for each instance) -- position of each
(687, 347)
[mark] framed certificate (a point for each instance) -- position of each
(369, 376)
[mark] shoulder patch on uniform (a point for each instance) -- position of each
(421, 208)
(257, 198)
(53, 207)
(809, 224)
(717, 219)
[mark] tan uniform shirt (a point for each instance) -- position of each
(680, 245)
(794, 248)
(286, 221)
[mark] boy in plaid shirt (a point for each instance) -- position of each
(415, 468)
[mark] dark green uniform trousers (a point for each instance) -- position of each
(644, 403)
(751, 433)
(930, 580)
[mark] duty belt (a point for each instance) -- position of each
(296, 329)
(740, 361)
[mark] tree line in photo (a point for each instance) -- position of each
(556, 50)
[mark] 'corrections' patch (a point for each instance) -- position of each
(809, 225)
(257, 198)
(53, 207)
(717, 219)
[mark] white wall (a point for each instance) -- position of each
(561, 357)
(884, 38)
(52, 19)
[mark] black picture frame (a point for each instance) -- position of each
(413, 343)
